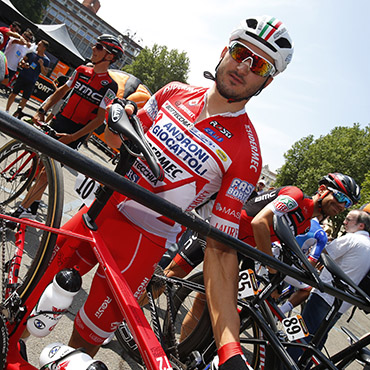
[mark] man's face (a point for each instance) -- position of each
(330, 205)
(350, 222)
(235, 80)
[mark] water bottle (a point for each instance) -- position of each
(56, 299)
(58, 355)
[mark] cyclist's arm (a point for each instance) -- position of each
(91, 126)
(52, 100)
(261, 224)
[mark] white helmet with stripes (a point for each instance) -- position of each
(270, 35)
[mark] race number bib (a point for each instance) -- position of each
(295, 327)
(247, 284)
(86, 187)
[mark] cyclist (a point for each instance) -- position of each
(205, 141)
(270, 202)
(91, 90)
(335, 193)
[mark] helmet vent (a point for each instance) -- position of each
(283, 43)
(252, 23)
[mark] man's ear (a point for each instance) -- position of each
(322, 188)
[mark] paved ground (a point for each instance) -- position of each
(111, 355)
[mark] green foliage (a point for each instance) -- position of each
(158, 66)
(344, 149)
(32, 9)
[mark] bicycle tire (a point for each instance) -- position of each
(18, 167)
(39, 244)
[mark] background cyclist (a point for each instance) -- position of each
(91, 90)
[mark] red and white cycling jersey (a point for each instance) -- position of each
(90, 91)
(218, 154)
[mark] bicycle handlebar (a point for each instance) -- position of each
(285, 235)
(130, 128)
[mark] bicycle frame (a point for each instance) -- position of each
(148, 344)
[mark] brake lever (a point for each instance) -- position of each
(285, 235)
(131, 129)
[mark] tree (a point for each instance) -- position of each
(32, 9)
(344, 149)
(158, 66)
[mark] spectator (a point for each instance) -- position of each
(352, 253)
(260, 186)
(16, 49)
(13, 30)
(32, 65)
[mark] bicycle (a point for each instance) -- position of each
(116, 182)
(255, 337)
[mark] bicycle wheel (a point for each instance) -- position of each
(18, 167)
(38, 244)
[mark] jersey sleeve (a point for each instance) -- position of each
(322, 239)
(288, 200)
(149, 112)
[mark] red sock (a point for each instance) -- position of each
(228, 350)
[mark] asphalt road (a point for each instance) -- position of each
(111, 354)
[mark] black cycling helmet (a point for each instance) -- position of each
(343, 183)
(112, 44)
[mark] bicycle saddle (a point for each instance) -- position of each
(131, 129)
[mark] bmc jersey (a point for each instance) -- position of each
(219, 154)
(289, 202)
(90, 91)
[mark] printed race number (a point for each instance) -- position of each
(86, 187)
(295, 327)
(247, 284)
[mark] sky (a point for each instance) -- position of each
(327, 84)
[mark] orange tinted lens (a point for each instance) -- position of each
(241, 53)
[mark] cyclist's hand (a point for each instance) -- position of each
(275, 294)
(38, 117)
(65, 138)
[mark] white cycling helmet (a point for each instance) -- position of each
(270, 35)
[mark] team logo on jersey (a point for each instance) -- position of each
(221, 129)
(104, 82)
(285, 203)
(222, 155)
(213, 134)
(240, 190)
(109, 96)
(179, 117)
